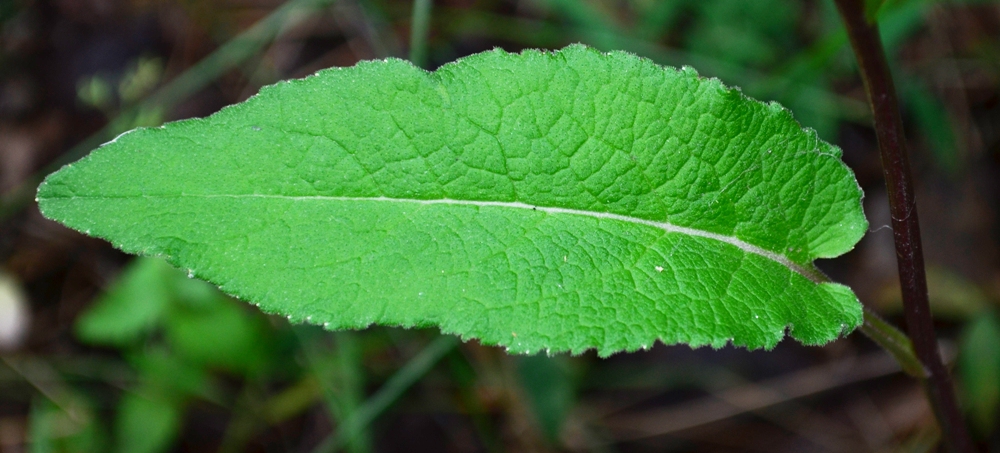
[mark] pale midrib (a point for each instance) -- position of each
(810, 274)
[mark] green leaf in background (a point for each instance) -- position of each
(131, 308)
(200, 323)
(750, 34)
(872, 9)
(549, 385)
(146, 422)
(71, 426)
(979, 367)
(932, 118)
(169, 376)
(555, 201)
(224, 336)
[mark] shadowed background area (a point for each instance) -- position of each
(100, 351)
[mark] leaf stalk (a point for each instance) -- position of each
(895, 342)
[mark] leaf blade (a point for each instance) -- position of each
(516, 177)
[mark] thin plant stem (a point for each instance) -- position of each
(413, 371)
(874, 67)
(419, 28)
(352, 389)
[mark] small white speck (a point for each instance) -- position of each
(326, 325)
(190, 273)
(309, 318)
(565, 257)
(659, 268)
(289, 317)
(420, 294)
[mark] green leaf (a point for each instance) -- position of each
(72, 425)
(555, 201)
(872, 9)
(167, 376)
(979, 368)
(549, 385)
(932, 119)
(225, 336)
(131, 308)
(146, 423)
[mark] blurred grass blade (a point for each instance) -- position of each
(412, 372)
(337, 369)
(237, 50)
(872, 9)
(350, 374)
(53, 428)
(550, 387)
(234, 52)
(931, 118)
(419, 29)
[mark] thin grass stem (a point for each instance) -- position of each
(413, 371)
(419, 29)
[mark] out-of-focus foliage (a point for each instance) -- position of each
(70, 426)
(754, 34)
(175, 330)
(199, 323)
(131, 308)
(551, 389)
(951, 296)
(76, 380)
(980, 371)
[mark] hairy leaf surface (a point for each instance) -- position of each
(554, 201)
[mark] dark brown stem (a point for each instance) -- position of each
(867, 45)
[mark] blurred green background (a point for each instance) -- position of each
(100, 351)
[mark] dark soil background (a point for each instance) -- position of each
(88, 366)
